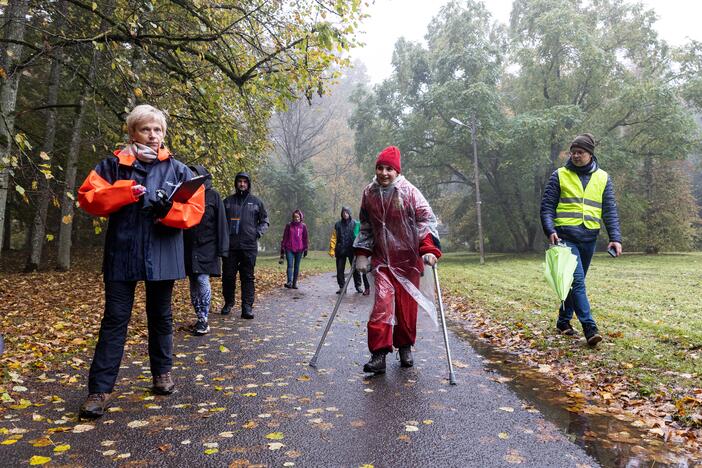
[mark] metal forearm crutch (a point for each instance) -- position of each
(342, 293)
(452, 377)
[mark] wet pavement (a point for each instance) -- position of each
(246, 396)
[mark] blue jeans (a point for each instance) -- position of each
(293, 259)
(200, 294)
(577, 300)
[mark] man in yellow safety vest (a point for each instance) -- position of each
(578, 198)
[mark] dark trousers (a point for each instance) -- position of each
(341, 266)
(119, 300)
(242, 262)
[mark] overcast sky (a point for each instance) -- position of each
(679, 20)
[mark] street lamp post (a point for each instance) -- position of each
(476, 175)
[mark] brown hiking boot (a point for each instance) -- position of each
(163, 384)
(94, 406)
(593, 339)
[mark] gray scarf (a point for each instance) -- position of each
(143, 153)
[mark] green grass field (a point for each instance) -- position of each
(649, 308)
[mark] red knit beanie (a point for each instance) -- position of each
(390, 156)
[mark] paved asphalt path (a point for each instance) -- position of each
(246, 396)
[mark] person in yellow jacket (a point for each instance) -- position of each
(578, 199)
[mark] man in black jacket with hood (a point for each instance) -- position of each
(248, 221)
(341, 248)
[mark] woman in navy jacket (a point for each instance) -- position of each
(144, 242)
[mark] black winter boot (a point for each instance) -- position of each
(226, 309)
(376, 365)
(406, 356)
(247, 314)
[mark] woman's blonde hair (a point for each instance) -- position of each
(143, 113)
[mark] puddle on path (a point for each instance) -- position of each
(610, 441)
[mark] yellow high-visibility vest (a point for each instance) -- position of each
(577, 205)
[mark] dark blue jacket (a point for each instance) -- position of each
(247, 218)
(344, 235)
(138, 246)
(552, 194)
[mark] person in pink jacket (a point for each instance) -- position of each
(294, 246)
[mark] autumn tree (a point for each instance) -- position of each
(558, 69)
(217, 69)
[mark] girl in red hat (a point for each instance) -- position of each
(398, 231)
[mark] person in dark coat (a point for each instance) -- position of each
(144, 242)
(204, 245)
(577, 199)
(248, 221)
(341, 248)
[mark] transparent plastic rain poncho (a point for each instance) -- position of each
(394, 220)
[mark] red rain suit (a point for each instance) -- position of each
(397, 227)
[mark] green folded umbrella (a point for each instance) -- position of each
(559, 267)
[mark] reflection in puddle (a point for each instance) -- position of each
(608, 439)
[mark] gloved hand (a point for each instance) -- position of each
(280, 260)
(161, 205)
(362, 264)
(304, 254)
(430, 259)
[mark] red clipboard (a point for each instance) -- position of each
(187, 189)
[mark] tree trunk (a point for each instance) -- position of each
(7, 228)
(14, 22)
(68, 196)
(39, 223)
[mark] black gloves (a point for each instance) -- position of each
(304, 254)
(161, 205)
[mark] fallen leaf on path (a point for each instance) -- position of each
(513, 457)
(42, 442)
(62, 448)
(509, 409)
(80, 428)
(275, 436)
(39, 460)
(275, 445)
(137, 423)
